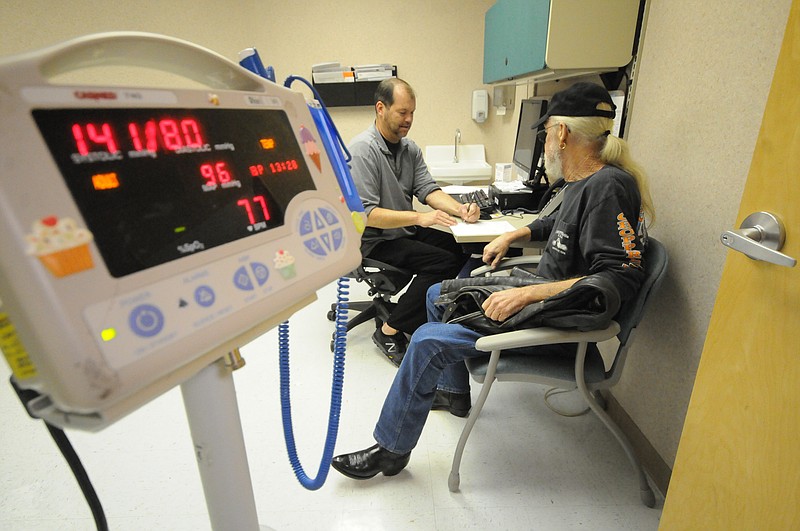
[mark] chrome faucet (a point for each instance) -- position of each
(455, 145)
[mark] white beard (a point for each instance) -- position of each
(553, 166)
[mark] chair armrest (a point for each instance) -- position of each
(507, 263)
(544, 336)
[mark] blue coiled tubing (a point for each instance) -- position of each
(339, 344)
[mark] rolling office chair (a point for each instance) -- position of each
(384, 282)
(586, 372)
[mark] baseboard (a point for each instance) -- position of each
(654, 466)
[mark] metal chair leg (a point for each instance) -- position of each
(454, 480)
(645, 492)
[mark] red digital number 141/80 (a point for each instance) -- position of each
(173, 134)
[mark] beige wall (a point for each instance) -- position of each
(32, 24)
(704, 76)
(437, 45)
(701, 89)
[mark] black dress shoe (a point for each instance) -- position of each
(368, 463)
(457, 404)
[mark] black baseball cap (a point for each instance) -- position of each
(581, 99)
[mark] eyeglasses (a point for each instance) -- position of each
(541, 136)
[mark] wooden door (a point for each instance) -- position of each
(738, 461)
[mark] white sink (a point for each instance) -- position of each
(471, 165)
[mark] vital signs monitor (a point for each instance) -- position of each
(145, 232)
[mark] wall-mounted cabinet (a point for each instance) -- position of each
(552, 39)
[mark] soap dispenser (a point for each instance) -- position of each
(480, 105)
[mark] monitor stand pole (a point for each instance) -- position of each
(213, 413)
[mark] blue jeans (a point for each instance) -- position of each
(434, 359)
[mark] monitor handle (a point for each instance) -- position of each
(150, 50)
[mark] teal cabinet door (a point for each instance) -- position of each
(515, 39)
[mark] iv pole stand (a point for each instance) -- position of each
(209, 398)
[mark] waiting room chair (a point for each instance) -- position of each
(587, 373)
(384, 281)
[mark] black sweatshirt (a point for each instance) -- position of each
(595, 232)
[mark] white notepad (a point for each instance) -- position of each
(481, 228)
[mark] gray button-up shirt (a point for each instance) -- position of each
(388, 182)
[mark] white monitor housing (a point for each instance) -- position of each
(146, 232)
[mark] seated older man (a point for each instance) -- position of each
(606, 195)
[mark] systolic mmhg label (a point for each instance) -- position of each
(21, 365)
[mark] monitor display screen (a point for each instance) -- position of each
(527, 151)
(155, 185)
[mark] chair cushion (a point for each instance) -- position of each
(515, 365)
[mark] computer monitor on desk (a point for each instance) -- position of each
(527, 150)
(528, 163)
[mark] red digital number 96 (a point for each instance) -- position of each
(215, 173)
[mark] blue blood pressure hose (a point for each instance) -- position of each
(338, 156)
(339, 344)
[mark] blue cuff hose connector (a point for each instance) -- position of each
(250, 59)
(336, 150)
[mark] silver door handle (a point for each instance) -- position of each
(760, 236)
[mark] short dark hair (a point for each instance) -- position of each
(385, 90)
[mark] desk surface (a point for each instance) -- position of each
(492, 230)
(487, 230)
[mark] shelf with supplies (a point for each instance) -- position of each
(358, 90)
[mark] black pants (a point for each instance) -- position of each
(434, 256)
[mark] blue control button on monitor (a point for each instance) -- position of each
(323, 230)
(330, 217)
(319, 221)
(204, 296)
(326, 240)
(146, 320)
(260, 271)
(241, 279)
(338, 238)
(314, 246)
(305, 224)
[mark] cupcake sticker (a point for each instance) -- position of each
(284, 263)
(61, 246)
(311, 146)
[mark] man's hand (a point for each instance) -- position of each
(438, 200)
(436, 217)
(469, 213)
(495, 250)
(501, 305)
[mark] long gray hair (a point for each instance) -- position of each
(611, 150)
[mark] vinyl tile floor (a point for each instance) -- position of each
(524, 467)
